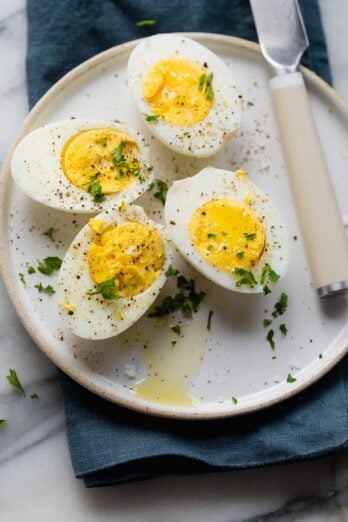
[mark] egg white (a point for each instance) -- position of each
(205, 138)
(188, 194)
(37, 170)
(94, 317)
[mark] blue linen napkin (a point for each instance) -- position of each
(109, 444)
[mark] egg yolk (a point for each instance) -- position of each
(179, 91)
(101, 161)
(227, 234)
(132, 253)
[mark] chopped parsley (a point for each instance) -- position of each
(118, 158)
(176, 329)
(268, 275)
(173, 343)
(31, 270)
(210, 315)
(152, 117)
(266, 290)
(49, 265)
(15, 382)
(2, 422)
(283, 329)
(161, 192)
(107, 289)
(211, 235)
(234, 400)
(250, 236)
(123, 167)
(240, 255)
(21, 278)
(269, 338)
(266, 322)
(224, 233)
(290, 378)
(187, 300)
(201, 81)
(190, 286)
(169, 305)
(171, 271)
(208, 91)
(146, 23)
(49, 233)
(247, 278)
(103, 141)
(34, 396)
(46, 289)
(206, 82)
(95, 188)
(281, 305)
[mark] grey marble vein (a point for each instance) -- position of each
(298, 507)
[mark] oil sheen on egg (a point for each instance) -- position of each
(228, 229)
(82, 165)
(112, 272)
(186, 94)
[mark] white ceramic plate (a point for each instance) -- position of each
(233, 359)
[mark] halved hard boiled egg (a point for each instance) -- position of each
(112, 272)
(228, 229)
(186, 94)
(82, 165)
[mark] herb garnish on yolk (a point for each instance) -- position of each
(174, 91)
(241, 244)
(101, 161)
(125, 260)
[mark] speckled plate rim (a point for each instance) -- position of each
(5, 266)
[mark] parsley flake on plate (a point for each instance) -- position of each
(171, 271)
(187, 300)
(270, 337)
(21, 278)
(49, 233)
(290, 378)
(45, 289)
(281, 305)
(176, 329)
(283, 329)
(210, 315)
(161, 192)
(49, 265)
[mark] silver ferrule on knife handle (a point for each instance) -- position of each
(319, 216)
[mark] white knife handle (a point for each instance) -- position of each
(321, 223)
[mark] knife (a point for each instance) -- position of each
(283, 39)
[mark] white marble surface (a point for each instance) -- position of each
(36, 478)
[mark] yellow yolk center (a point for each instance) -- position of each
(132, 253)
(227, 234)
(176, 90)
(106, 157)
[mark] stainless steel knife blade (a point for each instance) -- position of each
(281, 31)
